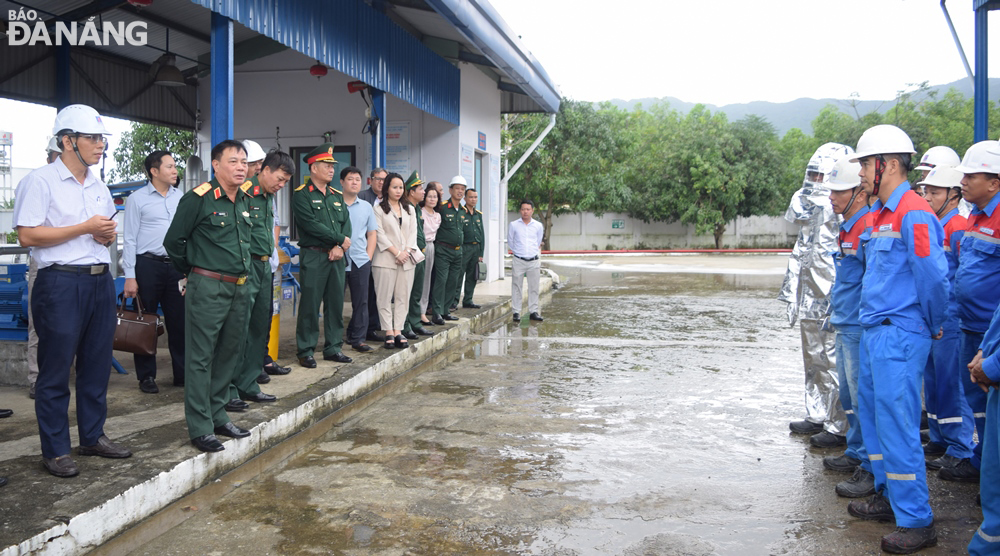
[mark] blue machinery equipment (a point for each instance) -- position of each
(14, 302)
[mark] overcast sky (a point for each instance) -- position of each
(721, 52)
(735, 51)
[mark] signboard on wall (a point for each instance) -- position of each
(482, 141)
(397, 148)
(468, 166)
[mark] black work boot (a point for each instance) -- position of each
(827, 440)
(805, 426)
(963, 472)
(861, 484)
(934, 449)
(905, 540)
(842, 463)
(943, 461)
(876, 508)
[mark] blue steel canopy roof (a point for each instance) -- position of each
(382, 42)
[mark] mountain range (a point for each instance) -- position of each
(801, 112)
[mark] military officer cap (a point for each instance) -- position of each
(413, 181)
(322, 153)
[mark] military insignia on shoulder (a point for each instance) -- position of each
(337, 191)
(301, 187)
(336, 203)
(246, 186)
(479, 212)
(202, 189)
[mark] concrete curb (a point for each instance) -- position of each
(89, 529)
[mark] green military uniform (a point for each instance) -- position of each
(413, 315)
(323, 222)
(448, 257)
(258, 283)
(211, 233)
(472, 250)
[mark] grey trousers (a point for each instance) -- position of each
(520, 269)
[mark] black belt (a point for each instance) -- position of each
(472, 243)
(94, 269)
(448, 245)
(156, 258)
(321, 250)
(535, 258)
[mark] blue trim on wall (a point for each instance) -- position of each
(222, 78)
(353, 38)
(378, 138)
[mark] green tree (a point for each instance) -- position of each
(576, 168)
(143, 139)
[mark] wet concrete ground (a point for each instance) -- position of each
(647, 415)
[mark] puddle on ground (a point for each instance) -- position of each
(646, 415)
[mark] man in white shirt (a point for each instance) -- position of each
(148, 272)
(524, 239)
(67, 215)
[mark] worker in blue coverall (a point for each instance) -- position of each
(904, 301)
(849, 200)
(949, 420)
(976, 283)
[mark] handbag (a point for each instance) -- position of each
(481, 272)
(416, 256)
(136, 330)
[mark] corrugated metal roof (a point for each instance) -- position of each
(355, 39)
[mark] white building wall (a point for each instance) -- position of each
(585, 231)
(276, 95)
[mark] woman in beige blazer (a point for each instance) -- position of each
(392, 265)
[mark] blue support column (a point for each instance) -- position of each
(64, 92)
(222, 78)
(378, 139)
(982, 92)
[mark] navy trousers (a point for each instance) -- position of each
(362, 294)
(158, 288)
(74, 316)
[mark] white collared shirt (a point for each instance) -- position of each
(147, 218)
(525, 240)
(50, 196)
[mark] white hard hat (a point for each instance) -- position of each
(254, 152)
(844, 176)
(938, 156)
(53, 146)
(984, 157)
(883, 139)
(943, 176)
(79, 118)
(460, 180)
(825, 157)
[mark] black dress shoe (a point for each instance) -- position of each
(454, 307)
(410, 335)
(104, 448)
(363, 348)
(423, 331)
(449, 317)
(339, 357)
(4, 413)
(276, 369)
(237, 405)
(401, 342)
(208, 443)
(437, 320)
(307, 362)
(61, 466)
(148, 385)
(232, 431)
(471, 306)
(517, 317)
(263, 377)
(260, 397)
(374, 336)
(535, 317)
(3, 481)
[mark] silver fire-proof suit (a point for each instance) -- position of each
(807, 285)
